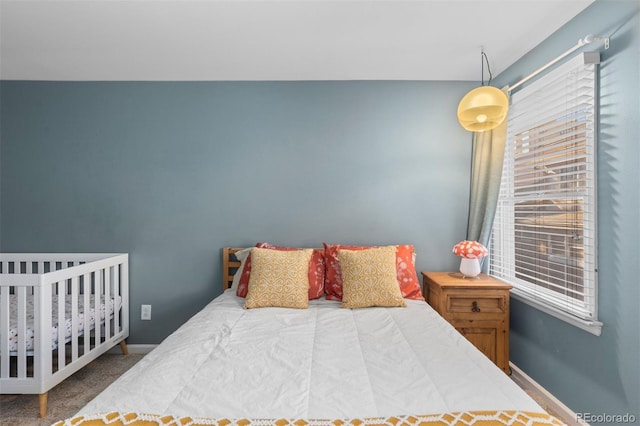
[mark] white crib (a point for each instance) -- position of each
(58, 312)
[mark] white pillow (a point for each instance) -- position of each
(241, 255)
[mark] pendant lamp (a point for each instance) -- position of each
(485, 107)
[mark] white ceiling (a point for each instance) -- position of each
(271, 39)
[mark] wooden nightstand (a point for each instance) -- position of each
(477, 308)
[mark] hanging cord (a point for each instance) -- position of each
(483, 60)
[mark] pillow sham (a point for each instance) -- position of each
(316, 271)
(407, 279)
(278, 279)
(369, 278)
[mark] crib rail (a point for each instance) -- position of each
(32, 265)
(79, 287)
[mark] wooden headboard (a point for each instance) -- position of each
(229, 265)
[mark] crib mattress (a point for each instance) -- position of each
(106, 311)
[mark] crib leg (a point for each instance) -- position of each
(123, 347)
(42, 399)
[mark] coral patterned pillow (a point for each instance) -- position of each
(316, 271)
(279, 279)
(369, 278)
(405, 270)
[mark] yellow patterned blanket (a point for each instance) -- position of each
(480, 418)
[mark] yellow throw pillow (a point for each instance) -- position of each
(369, 278)
(278, 279)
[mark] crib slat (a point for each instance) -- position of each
(75, 289)
(31, 269)
(4, 330)
(61, 323)
(107, 301)
(116, 295)
(22, 331)
(86, 306)
(96, 306)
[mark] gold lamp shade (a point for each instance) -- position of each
(483, 108)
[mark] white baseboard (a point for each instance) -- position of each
(133, 349)
(562, 411)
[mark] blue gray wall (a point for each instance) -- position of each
(172, 172)
(598, 375)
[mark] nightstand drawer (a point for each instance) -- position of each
(471, 304)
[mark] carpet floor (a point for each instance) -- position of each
(66, 399)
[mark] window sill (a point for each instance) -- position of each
(593, 327)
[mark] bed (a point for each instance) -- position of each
(320, 364)
(58, 312)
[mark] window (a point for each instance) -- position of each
(544, 233)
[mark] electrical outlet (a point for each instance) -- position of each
(145, 312)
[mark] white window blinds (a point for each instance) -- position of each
(544, 233)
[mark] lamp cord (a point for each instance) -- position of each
(483, 59)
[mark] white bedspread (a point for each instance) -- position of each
(324, 362)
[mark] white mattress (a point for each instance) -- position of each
(323, 362)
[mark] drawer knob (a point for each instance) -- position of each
(474, 307)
